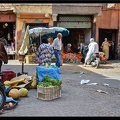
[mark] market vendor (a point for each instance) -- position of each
(68, 48)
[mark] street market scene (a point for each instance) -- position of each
(59, 59)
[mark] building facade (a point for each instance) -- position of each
(82, 20)
(34, 15)
(78, 19)
(108, 26)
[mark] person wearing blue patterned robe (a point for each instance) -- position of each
(45, 52)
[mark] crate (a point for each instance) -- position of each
(8, 75)
(45, 93)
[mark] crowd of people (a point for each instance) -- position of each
(48, 48)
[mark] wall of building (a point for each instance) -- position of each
(31, 13)
(109, 19)
(76, 9)
(87, 33)
(30, 18)
(7, 17)
(33, 8)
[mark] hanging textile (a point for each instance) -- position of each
(8, 36)
(25, 43)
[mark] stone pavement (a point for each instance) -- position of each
(76, 99)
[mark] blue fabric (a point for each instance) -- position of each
(9, 99)
(42, 71)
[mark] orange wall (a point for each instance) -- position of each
(108, 20)
(7, 18)
(30, 18)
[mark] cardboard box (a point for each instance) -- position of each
(45, 93)
(29, 59)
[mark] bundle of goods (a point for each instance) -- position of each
(10, 103)
(71, 57)
(19, 82)
(31, 59)
(103, 59)
(12, 95)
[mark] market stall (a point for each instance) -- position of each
(71, 57)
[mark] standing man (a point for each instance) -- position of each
(57, 45)
(83, 51)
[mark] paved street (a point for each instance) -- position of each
(76, 99)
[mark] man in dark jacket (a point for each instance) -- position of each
(3, 55)
(83, 51)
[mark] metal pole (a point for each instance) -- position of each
(22, 67)
(40, 37)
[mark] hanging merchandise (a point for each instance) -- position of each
(24, 47)
(5, 25)
(8, 36)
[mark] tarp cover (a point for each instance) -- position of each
(42, 71)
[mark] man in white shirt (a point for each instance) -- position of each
(57, 45)
(93, 48)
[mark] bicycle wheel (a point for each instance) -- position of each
(2, 98)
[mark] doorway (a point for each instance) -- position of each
(7, 30)
(111, 35)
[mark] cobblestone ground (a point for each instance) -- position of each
(76, 99)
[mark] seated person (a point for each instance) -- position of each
(68, 48)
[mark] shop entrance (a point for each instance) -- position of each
(78, 25)
(76, 35)
(7, 30)
(111, 36)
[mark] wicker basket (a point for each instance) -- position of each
(45, 93)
